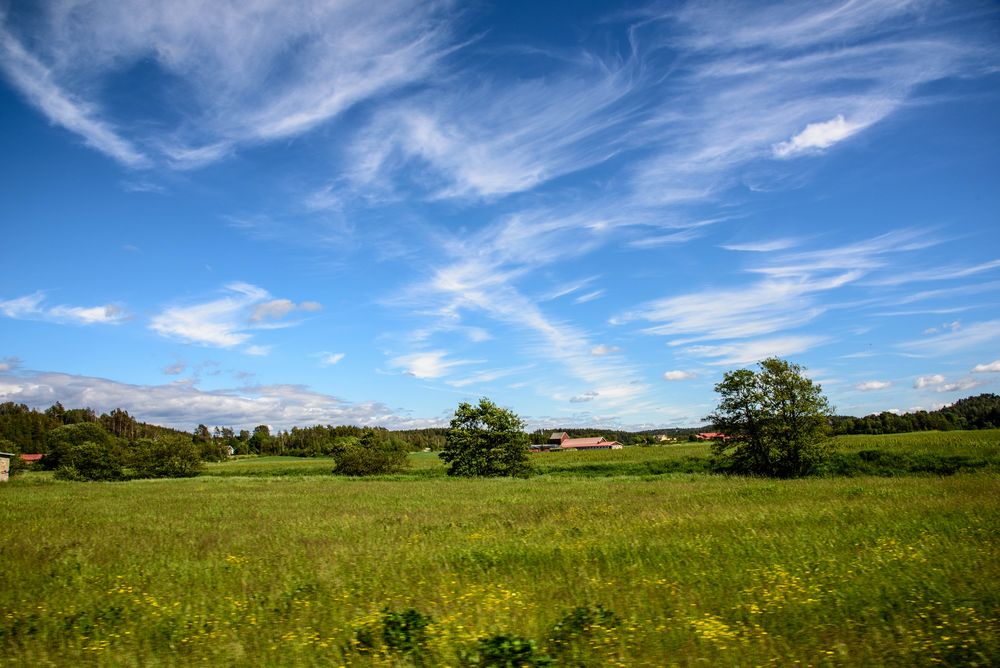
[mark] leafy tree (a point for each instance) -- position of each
(169, 456)
(61, 440)
(372, 454)
(775, 420)
(90, 461)
(486, 440)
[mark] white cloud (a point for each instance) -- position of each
(679, 375)
(602, 349)
(973, 335)
(182, 406)
(329, 359)
(428, 364)
(583, 398)
(36, 82)
(928, 381)
(992, 367)
(236, 79)
(817, 136)
(763, 246)
(958, 386)
(589, 297)
(756, 350)
(30, 307)
(873, 385)
(258, 351)
(224, 322)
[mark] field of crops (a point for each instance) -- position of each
(603, 559)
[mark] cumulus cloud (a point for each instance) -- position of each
(872, 385)
(992, 367)
(939, 383)
(225, 322)
(679, 375)
(183, 406)
(30, 307)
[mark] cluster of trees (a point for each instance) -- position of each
(978, 412)
(87, 451)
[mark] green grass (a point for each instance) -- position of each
(239, 567)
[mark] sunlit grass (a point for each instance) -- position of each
(287, 570)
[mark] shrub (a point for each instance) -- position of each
(374, 454)
(90, 461)
(165, 457)
(508, 651)
(580, 623)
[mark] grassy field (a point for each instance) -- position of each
(274, 561)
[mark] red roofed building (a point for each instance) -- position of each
(711, 436)
(31, 458)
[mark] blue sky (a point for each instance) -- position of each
(350, 212)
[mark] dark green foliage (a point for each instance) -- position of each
(90, 461)
(890, 464)
(62, 440)
(508, 651)
(776, 420)
(165, 457)
(577, 626)
(978, 412)
(486, 440)
(405, 631)
(373, 454)
(402, 632)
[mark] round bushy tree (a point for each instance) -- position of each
(775, 421)
(486, 440)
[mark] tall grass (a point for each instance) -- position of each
(292, 570)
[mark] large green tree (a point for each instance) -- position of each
(486, 440)
(775, 419)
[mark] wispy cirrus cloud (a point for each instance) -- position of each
(229, 320)
(31, 307)
(236, 80)
(972, 335)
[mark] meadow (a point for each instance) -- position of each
(629, 557)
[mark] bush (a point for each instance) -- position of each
(165, 457)
(580, 623)
(374, 454)
(508, 651)
(90, 461)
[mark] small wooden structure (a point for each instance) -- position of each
(5, 458)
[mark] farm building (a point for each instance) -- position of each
(5, 458)
(711, 436)
(31, 458)
(562, 441)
